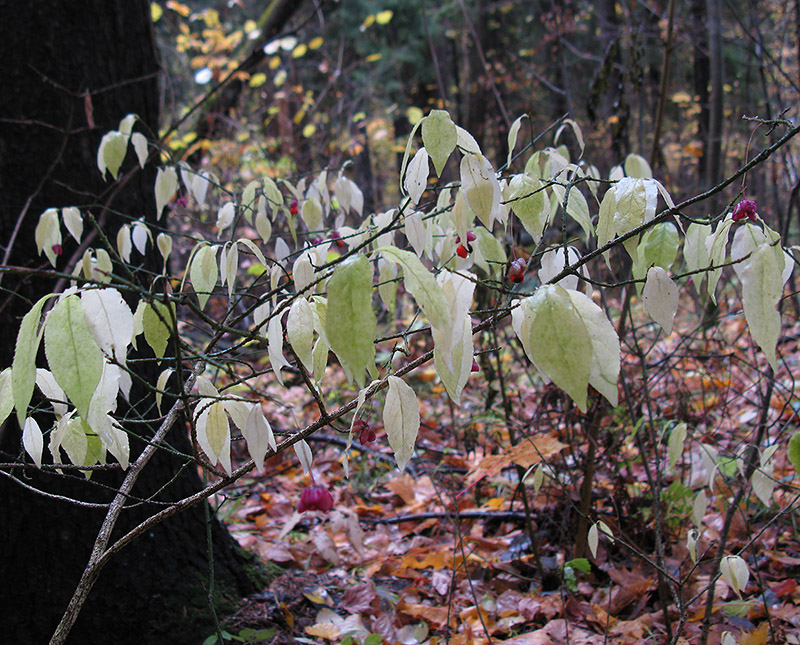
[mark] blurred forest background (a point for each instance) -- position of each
(682, 83)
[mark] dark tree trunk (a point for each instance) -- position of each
(702, 76)
(70, 72)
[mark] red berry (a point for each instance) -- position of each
(516, 270)
(337, 237)
(745, 208)
(293, 207)
(315, 498)
(461, 251)
(471, 236)
(57, 249)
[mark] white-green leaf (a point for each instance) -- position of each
(593, 539)
(466, 141)
(140, 234)
(735, 572)
(164, 244)
(263, 223)
(416, 178)
(213, 434)
(74, 357)
(258, 435)
(762, 287)
(454, 362)
(312, 213)
(481, 188)
(660, 297)
(166, 187)
(526, 197)
(553, 263)
(416, 231)
(793, 452)
(199, 187)
(556, 340)
(513, 132)
(225, 216)
(111, 152)
(695, 253)
(23, 367)
(103, 402)
(161, 385)
(605, 365)
(304, 455)
(6, 395)
(421, 284)
(73, 221)
(110, 321)
(33, 440)
(691, 544)
(577, 208)
(48, 234)
(203, 273)
(350, 322)
(637, 166)
(124, 243)
(716, 246)
(439, 136)
(300, 331)
(401, 420)
(139, 142)
(699, 507)
(276, 357)
(675, 444)
(157, 326)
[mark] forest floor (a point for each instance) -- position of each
(444, 553)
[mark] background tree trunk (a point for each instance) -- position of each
(70, 72)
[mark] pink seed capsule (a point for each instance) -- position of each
(315, 498)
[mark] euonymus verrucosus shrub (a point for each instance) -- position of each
(309, 299)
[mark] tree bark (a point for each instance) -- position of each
(70, 72)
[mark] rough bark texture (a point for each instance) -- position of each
(70, 72)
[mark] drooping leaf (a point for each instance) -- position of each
(350, 322)
(660, 297)
(304, 455)
(166, 187)
(23, 367)
(481, 188)
(526, 196)
(794, 452)
(556, 340)
(513, 132)
(259, 436)
(735, 572)
(401, 420)
(73, 221)
(593, 539)
(300, 331)
(762, 287)
(275, 338)
(6, 395)
(553, 263)
(110, 321)
(139, 142)
(225, 216)
(111, 152)
(421, 284)
(75, 359)
(157, 326)
(33, 440)
(637, 166)
(213, 433)
(675, 444)
(605, 363)
(439, 136)
(577, 208)
(695, 254)
(699, 507)
(48, 235)
(416, 178)
(203, 273)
